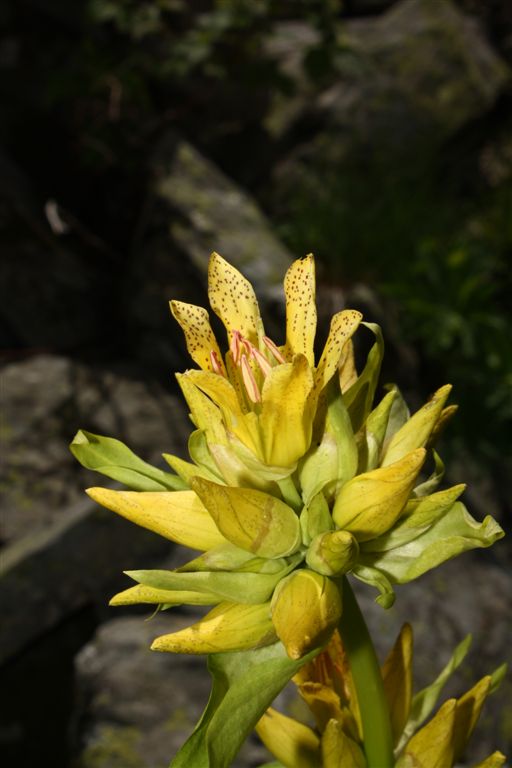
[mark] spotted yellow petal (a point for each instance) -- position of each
(397, 678)
(177, 515)
(294, 744)
(431, 747)
(299, 289)
(199, 337)
(347, 366)
(227, 627)
(286, 418)
(142, 594)
(343, 326)
(233, 299)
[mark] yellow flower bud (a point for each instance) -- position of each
(306, 609)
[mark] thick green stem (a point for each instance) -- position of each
(373, 705)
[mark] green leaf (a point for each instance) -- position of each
(425, 700)
(233, 587)
(447, 537)
(359, 398)
(244, 685)
(112, 458)
(430, 485)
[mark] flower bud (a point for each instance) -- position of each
(306, 609)
(332, 553)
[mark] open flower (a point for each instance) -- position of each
(335, 738)
(296, 478)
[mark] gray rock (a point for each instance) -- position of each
(406, 81)
(45, 400)
(139, 707)
(193, 209)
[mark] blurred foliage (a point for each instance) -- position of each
(443, 259)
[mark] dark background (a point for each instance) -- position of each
(137, 136)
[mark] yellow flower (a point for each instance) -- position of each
(295, 478)
(261, 398)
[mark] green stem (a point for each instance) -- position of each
(290, 493)
(373, 705)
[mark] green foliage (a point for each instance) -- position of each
(441, 258)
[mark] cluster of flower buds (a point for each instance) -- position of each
(295, 477)
(327, 687)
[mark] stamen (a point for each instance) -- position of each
(235, 346)
(216, 364)
(273, 349)
(261, 360)
(250, 381)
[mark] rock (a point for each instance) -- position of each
(192, 210)
(46, 399)
(404, 82)
(138, 706)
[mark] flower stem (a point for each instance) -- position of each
(373, 705)
(290, 493)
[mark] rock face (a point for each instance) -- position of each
(192, 209)
(46, 399)
(140, 706)
(406, 81)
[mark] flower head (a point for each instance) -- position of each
(296, 477)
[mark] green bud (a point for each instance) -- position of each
(306, 608)
(332, 553)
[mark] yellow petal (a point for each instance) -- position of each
(199, 337)
(369, 504)
(468, 711)
(223, 394)
(416, 431)
(431, 747)
(292, 743)
(141, 593)
(177, 515)
(286, 418)
(299, 289)
(205, 414)
(332, 553)
(339, 750)
(323, 702)
(343, 326)
(306, 608)
(250, 519)
(233, 299)
(227, 627)
(496, 760)
(397, 678)
(347, 366)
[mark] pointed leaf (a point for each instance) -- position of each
(113, 459)
(359, 398)
(143, 594)
(244, 686)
